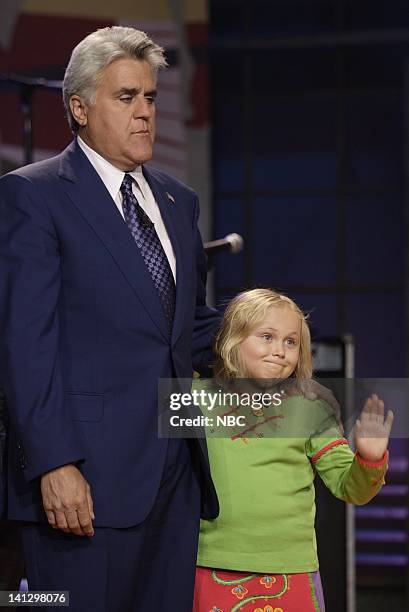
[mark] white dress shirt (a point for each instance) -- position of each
(112, 178)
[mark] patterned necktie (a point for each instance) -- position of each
(151, 249)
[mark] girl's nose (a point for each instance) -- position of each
(278, 349)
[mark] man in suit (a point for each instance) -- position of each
(102, 293)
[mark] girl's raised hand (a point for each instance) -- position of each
(372, 430)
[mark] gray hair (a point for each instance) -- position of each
(95, 52)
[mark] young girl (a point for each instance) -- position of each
(260, 554)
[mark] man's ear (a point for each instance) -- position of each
(79, 110)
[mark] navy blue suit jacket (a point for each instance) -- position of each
(84, 338)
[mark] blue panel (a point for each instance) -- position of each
(226, 77)
(276, 71)
(228, 173)
(294, 241)
(376, 321)
(296, 146)
(225, 19)
(373, 133)
(309, 169)
(226, 133)
(267, 17)
(375, 239)
(381, 14)
(375, 66)
(322, 312)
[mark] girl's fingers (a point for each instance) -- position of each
(372, 422)
(389, 421)
(367, 405)
(381, 407)
(375, 406)
(366, 410)
(374, 409)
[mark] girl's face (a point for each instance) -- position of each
(272, 348)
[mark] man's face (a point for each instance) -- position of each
(120, 124)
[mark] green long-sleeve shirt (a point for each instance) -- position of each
(265, 484)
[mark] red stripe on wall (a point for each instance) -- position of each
(197, 34)
(200, 97)
(46, 40)
(41, 42)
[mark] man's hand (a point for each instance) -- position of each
(67, 500)
(372, 430)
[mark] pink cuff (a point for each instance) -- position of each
(373, 464)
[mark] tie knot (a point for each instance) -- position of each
(126, 187)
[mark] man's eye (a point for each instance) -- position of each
(125, 98)
(150, 99)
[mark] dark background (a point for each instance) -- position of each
(310, 150)
(309, 139)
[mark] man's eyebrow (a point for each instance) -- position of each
(130, 91)
(133, 91)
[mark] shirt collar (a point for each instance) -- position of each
(111, 176)
(139, 178)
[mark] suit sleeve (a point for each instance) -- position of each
(347, 475)
(207, 319)
(30, 279)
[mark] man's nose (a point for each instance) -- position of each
(142, 108)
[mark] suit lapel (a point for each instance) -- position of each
(89, 194)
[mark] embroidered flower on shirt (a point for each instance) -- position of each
(268, 581)
(239, 591)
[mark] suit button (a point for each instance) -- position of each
(21, 457)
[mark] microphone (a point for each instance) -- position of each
(233, 243)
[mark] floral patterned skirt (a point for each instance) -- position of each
(218, 590)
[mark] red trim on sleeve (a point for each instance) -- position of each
(326, 448)
(373, 464)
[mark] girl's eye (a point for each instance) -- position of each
(267, 336)
(290, 341)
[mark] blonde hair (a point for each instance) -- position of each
(243, 314)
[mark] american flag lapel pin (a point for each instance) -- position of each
(171, 198)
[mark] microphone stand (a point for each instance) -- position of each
(232, 243)
(27, 87)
